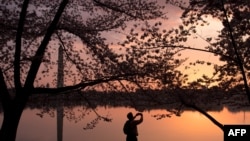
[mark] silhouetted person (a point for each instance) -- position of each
(131, 126)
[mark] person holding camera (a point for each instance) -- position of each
(130, 127)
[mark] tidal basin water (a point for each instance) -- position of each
(190, 126)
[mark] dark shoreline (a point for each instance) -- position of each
(209, 100)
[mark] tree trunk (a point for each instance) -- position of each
(11, 119)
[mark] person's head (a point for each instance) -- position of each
(130, 116)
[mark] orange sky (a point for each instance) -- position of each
(195, 41)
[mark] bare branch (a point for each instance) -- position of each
(217, 123)
(239, 61)
(19, 44)
(191, 48)
(80, 85)
(40, 52)
(114, 8)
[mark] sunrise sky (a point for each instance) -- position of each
(196, 40)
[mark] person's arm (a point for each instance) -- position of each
(141, 118)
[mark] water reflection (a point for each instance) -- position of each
(189, 126)
(59, 119)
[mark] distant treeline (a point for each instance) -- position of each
(207, 99)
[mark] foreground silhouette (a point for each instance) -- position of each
(130, 126)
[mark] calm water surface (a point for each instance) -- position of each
(190, 126)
